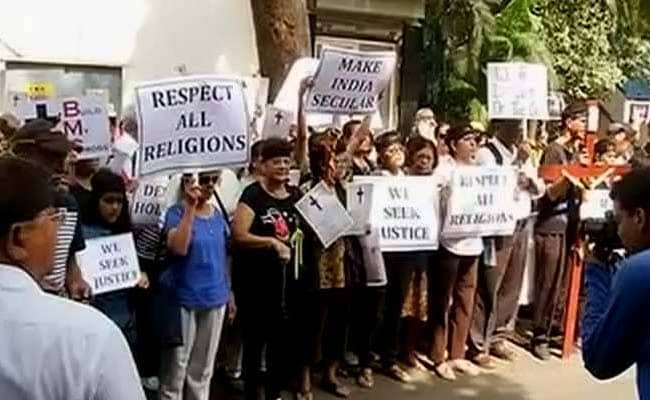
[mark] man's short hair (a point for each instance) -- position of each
(26, 191)
(633, 190)
(574, 110)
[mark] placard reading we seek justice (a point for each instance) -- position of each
(110, 263)
(404, 209)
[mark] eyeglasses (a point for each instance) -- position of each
(208, 180)
(52, 214)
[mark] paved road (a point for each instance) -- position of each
(525, 379)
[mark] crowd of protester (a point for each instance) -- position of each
(287, 308)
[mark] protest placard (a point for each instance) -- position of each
(350, 82)
(192, 122)
(517, 91)
(481, 202)
(405, 209)
(277, 123)
(149, 201)
(595, 204)
(83, 119)
(110, 263)
(359, 204)
(324, 213)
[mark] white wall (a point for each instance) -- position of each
(148, 38)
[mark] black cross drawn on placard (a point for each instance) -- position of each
(278, 118)
(41, 113)
(314, 203)
(360, 194)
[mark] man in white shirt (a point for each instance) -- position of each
(52, 348)
(501, 276)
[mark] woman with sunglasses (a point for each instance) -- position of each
(196, 271)
(454, 280)
(107, 214)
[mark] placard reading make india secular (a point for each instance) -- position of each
(192, 122)
(110, 263)
(405, 210)
(350, 82)
(481, 202)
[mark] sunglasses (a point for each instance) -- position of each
(208, 180)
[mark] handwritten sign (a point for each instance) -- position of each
(481, 202)
(324, 213)
(83, 119)
(192, 122)
(517, 91)
(110, 263)
(405, 210)
(595, 204)
(277, 123)
(149, 201)
(350, 82)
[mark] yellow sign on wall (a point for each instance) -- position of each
(40, 90)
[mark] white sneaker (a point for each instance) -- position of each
(465, 367)
(151, 383)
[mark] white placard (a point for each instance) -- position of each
(325, 214)
(277, 123)
(481, 202)
(149, 201)
(83, 119)
(192, 122)
(350, 82)
(359, 202)
(405, 210)
(110, 263)
(517, 91)
(595, 204)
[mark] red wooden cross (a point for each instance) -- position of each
(584, 176)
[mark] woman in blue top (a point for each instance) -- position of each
(196, 272)
(107, 214)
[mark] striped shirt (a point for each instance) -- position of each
(69, 241)
(147, 241)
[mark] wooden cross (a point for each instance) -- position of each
(585, 176)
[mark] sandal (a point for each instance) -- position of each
(365, 379)
(397, 373)
(303, 396)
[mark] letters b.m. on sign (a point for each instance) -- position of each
(481, 202)
(110, 263)
(84, 120)
(192, 122)
(404, 210)
(350, 82)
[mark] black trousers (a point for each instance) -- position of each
(147, 348)
(550, 268)
(266, 324)
(398, 273)
(366, 317)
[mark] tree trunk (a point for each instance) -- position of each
(282, 31)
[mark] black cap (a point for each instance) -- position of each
(43, 135)
(276, 147)
(26, 191)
